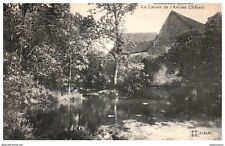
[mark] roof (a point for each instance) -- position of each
(193, 24)
(175, 25)
(143, 41)
(141, 37)
(212, 18)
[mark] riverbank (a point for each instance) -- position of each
(186, 130)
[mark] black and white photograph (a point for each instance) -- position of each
(112, 71)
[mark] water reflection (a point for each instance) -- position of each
(83, 120)
(95, 111)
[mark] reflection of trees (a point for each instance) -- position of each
(94, 111)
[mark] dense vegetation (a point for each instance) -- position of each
(45, 54)
(49, 59)
(51, 62)
(196, 58)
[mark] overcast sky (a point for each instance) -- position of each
(150, 17)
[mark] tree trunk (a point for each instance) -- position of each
(115, 111)
(69, 92)
(70, 75)
(22, 42)
(116, 45)
(115, 74)
(69, 111)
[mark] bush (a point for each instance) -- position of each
(133, 84)
(17, 127)
(21, 95)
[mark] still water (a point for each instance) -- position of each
(85, 119)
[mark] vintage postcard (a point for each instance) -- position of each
(112, 71)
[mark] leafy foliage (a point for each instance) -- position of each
(112, 27)
(45, 51)
(199, 65)
(50, 58)
(133, 84)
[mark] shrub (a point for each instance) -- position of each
(133, 84)
(17, 127)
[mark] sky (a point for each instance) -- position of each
(150, 17)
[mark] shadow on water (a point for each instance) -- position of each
(93, 111)
(86, 119)
(83, 119)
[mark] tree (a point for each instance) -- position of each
(22, 42)
(112, 26)
(43, 46)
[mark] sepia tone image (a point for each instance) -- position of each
(112, 71)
